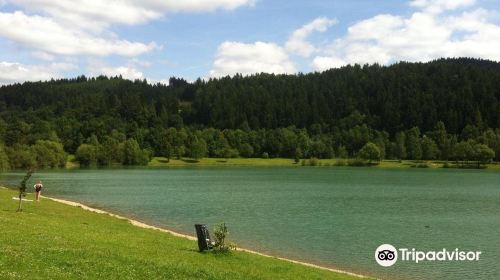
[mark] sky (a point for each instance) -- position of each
(158, 39)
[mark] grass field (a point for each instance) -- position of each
(160, 161)
(163, 162)
(50, 240)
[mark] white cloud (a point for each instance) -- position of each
(298, 44)
(135, 62)
(12, 72)
(93, 14)
(439, 6)
(43, 55)
(98, 14)
(422, 36)
(197, 5)
(247, 59)
(324, 62)
(127, 72)
(49, 36)
(63, 29)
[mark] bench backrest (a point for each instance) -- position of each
(204, 241)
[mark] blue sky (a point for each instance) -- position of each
(154, 39)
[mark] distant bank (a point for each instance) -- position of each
(163, 162)
(286, 162)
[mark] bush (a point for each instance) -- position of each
(421, 165)
(246, 150)
(370, 152)
(313, 161)
(109, 152)
(342, 152)
(21, 157)
(341, 162)
(133, 154)
(227, 152)
(49, 154)
(296, 160)
(357, 162)
(265, 155)
(86, 154)
(220, 235)
(198, 149)
(4, 160)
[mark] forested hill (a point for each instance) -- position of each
(338, 110)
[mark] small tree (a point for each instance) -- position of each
(463, 152)
(220, 235)
(400, 149)
(86, 154)
(370, 152)
(133, 154)
(298, 155)
(342, 152)
(413, 146)
(483, 154)
(4, 159)
(246, 150)
(22, 188)
(198, 149)
(430, 150)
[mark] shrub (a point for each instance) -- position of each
(296, 160)
(313, 161)
(86, 154)
(341, 162)
(21, 157)
(246, 150)
(370, 152)
(49, 154)
(198, 149)
(220, 235)
(356, 162)
(133, 154)
(4, 160)
(421, 165)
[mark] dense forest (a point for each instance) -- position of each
(447, 109)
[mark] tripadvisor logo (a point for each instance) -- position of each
(386, 255)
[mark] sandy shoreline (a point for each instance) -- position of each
(143, 225)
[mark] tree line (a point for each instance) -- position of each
(447, 109)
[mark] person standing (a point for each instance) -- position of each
(38, 190)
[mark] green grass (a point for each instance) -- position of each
(162, 162)
(71, 162)
(50, 240)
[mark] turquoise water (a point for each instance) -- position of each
(335, 217)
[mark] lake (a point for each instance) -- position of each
(331, 216)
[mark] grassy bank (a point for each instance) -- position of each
(163, 162)
(160, 162)
(50, 240)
